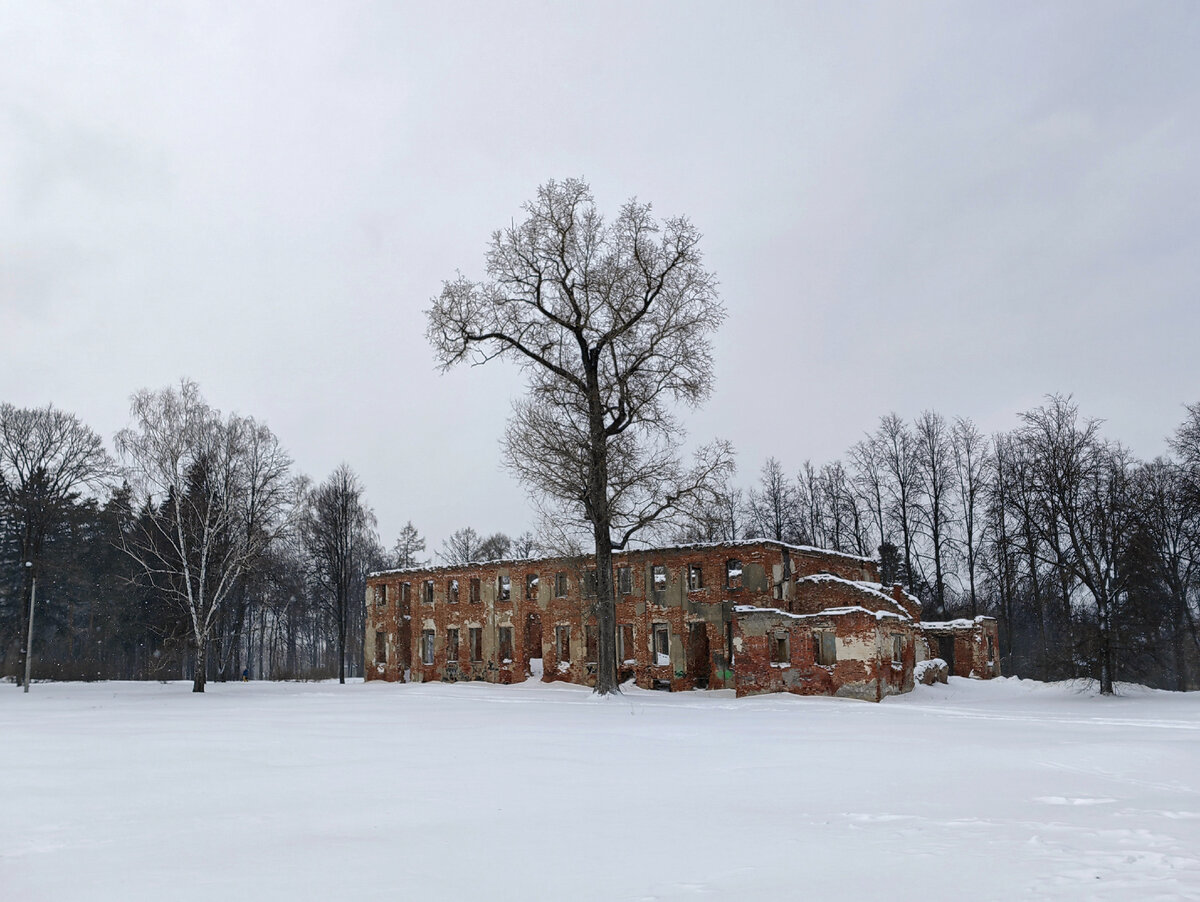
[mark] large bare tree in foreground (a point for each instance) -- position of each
(215, 491)
(611, 323)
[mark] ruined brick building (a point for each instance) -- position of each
(754, 616)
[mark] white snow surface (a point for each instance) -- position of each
(268, 791)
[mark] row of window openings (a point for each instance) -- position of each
(562, 644)
(824, 648)
(658, 578)
(824, 645)
(474, 644)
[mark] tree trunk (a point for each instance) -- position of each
(971, 578)
(938, 579)
(200, 676)
(1106, 656)
(23, 632)
(601, 517)
(606, 615)
(1040, 607)
(343, 603)
(1179, 602)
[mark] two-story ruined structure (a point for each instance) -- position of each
(754, 616)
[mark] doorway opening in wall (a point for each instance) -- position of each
(946, 651)
(660, 653)
(404, 636)
(533, 644)
(626, 652)
(727, 676)
(698, 657)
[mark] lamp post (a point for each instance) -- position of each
(29, 641)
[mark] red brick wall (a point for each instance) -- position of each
(869, 676)
(970, 646)
(683, 610)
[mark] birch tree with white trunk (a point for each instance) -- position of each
(216, 492)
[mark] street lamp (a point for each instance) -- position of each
(29, 641)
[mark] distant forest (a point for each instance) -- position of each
(192, 549)
(1089, 558)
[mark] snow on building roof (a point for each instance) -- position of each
(874, 591)
(828, 612)
(802, 549)
(962, 623)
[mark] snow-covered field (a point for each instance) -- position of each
(1008, 789)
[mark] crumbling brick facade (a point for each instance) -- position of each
(971, 648)
(690, 616)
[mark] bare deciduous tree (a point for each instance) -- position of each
(811, 503)
(461, 547)
(774, 505)
(497, 546)
(610, 321)
(720, 518)
(337, 529)
(935, 464)
(971, 471)
(895, 450)
(868, 483)
(1083, 483)
(218, 493)
(525, 545)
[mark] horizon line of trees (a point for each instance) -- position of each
(199, 553)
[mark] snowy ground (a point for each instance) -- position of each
(1008, 789)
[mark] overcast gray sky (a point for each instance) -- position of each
(957, 206)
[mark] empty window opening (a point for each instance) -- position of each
(624, 580)
(531, 586)
(625, 646)
(427, 591)
(825, 647)
(452, 591)
(658, 579)
(380, 648)
(897, 649)
(562, 643)
(991, 650)
(780, 650)
(589, 583)
(504, 589)
(695, 578)
(475, 643)
(662, 644)
(451, 645)
(505, 643)
(473, 589)
(426, 646)
(381, 595)
(405, 593)
(591, 636)
(733, 574)
(560, 585)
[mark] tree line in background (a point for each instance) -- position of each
(198, 552)
(1089, 558)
